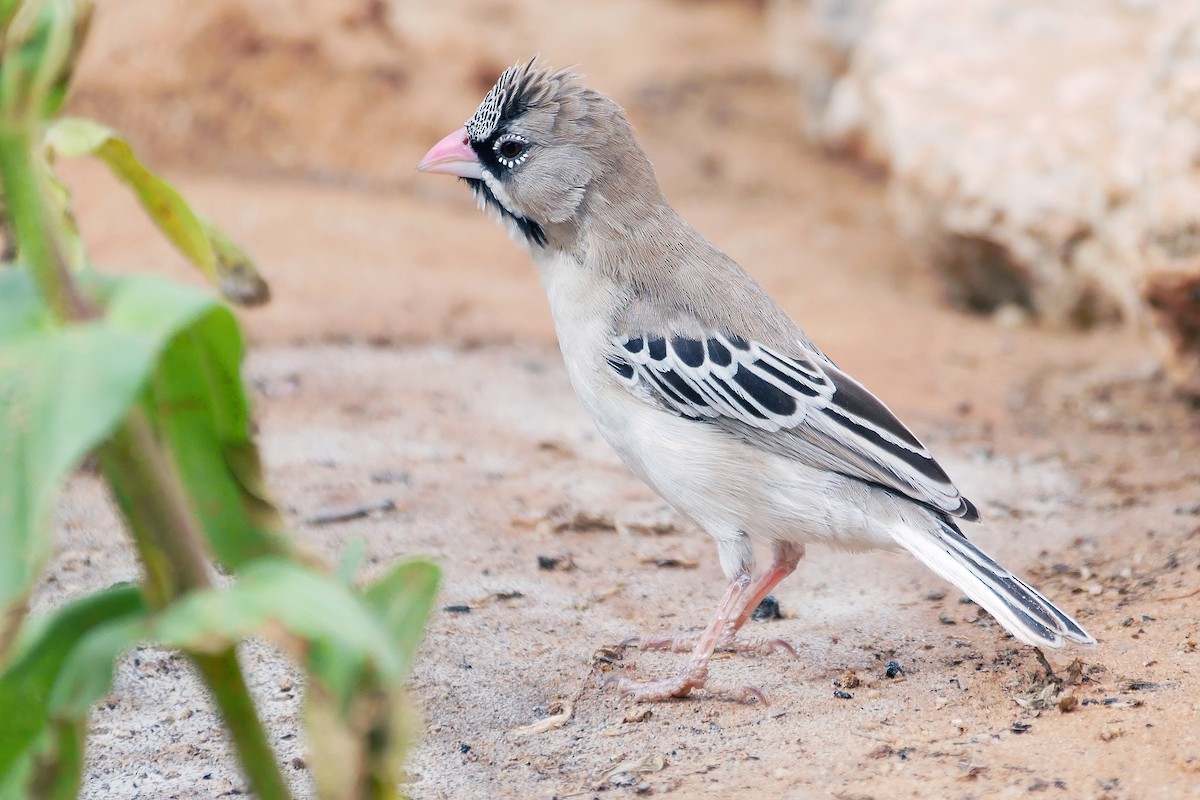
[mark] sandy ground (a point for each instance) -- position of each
(408, 357)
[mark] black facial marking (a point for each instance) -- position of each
(489, 160)
(785, 379)
(622, 368)
(690, 351)
(486, 154)
(862, 404)
(767, 395)
(923, 464)
(530, 229)
(657, 348)
(719, 353)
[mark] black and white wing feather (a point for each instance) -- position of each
(799, 404)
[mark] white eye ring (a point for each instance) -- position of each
(522, 151)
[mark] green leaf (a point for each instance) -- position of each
(21, 310)
(41, 42)
(62, 391)
(403, 599)
(7, 9)
(199, 407)
(28, 728)
(237, 277)
(356, 649)
(287, 602)
(351, 560)
(201, 242)
(59, 770)
(358, 740)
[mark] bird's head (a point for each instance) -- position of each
(542, 147)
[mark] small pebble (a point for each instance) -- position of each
(1010, 315)
(389, 476)
(893, 669)
(840, 695)
(847, 680)
(767, 610)
(457, 609)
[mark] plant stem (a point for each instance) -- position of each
(25, 205)
(161, 522)
(163, 525)
(223, 676)
(171, 544)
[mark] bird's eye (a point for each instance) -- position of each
(511, 149)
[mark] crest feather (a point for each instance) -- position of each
(522, 86)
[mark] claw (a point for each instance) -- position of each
(651, 691)
(729, 644)
(682, 686)
(761, 647)
(675, 644)
(740, 694)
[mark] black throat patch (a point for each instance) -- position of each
(532, 231)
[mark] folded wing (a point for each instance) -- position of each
(796, 403)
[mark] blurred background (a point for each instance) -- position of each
(1031, 160)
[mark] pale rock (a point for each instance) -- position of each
(1041, 153)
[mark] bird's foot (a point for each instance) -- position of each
(759, 647)
(685, 643)
(692, 676)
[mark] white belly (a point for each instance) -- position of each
(730, 488)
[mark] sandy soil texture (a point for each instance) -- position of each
(407, 368)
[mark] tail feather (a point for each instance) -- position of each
(1016, 605)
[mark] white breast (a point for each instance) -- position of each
(725, 485)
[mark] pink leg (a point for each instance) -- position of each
(694, 675)
(787, 557)
(739, 602)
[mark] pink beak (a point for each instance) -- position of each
(452, 156)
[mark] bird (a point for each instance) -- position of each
(703, 385)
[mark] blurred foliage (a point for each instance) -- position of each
(145, 374)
